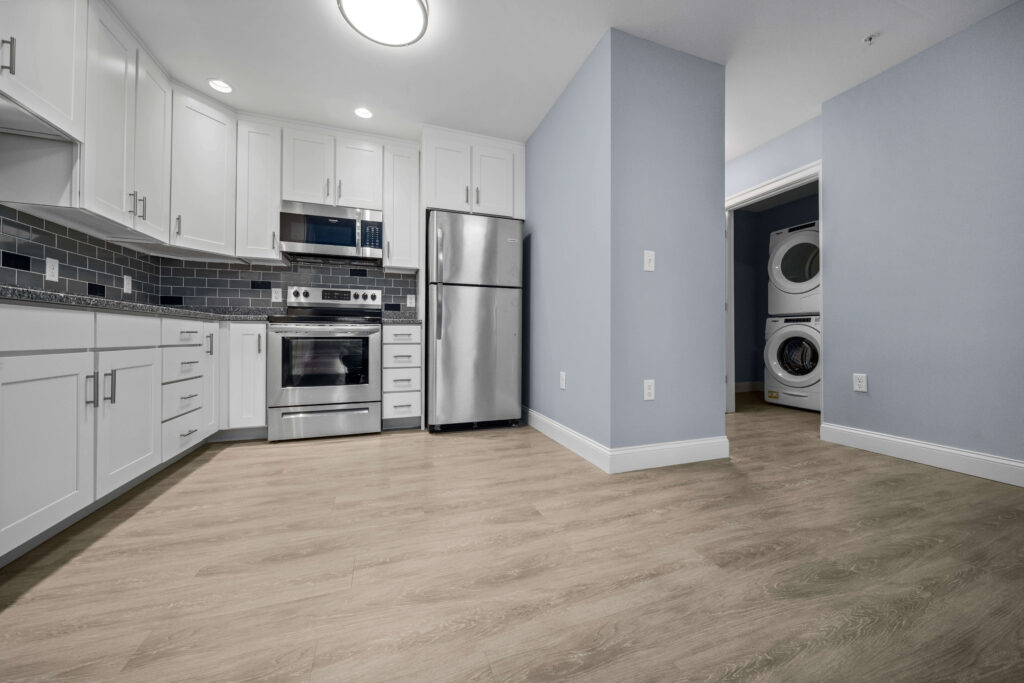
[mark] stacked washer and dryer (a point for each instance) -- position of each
(792, 350)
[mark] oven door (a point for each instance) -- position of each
(319, 364)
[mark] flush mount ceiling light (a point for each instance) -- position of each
(394, 23)
(219, 85)
(363, 113)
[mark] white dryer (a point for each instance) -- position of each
(792, 362)
(794, 271)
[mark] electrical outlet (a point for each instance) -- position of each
(127, 284)
(649, 261)
(52, 270)
(561, 380)
(276, 296)
(860, 381)
(648, 389)
(410, 300)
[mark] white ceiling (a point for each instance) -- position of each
(496, 66)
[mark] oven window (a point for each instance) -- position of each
(324, 361)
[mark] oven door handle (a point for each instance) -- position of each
(319, 331)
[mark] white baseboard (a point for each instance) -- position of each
(994, 467)
(749, 386)
(629, 458)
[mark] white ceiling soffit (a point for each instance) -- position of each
(496, 66)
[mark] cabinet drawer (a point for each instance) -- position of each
(114, 331)
(401, 379)
(402, 404)
(177, 332)
(35, 328)
(181, 433)
(401, 355)
(401, 334)
(181, 397)
(183, 362)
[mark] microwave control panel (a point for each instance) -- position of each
(372, 235)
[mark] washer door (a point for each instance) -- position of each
(793, 355)
(795, 265)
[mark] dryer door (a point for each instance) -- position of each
(793, 355)
(795, 263)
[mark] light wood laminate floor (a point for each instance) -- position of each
(498, 555)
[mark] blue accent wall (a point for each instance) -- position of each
(923, 244)
(791, 150)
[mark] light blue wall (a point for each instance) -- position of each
(567, 317)
(923, 244)
(791, 150)
(667, 116)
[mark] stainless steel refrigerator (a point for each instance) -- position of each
(474, 318)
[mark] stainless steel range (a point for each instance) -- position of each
(323, 364)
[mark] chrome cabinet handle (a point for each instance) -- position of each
(13, 42)
(259, 343)
(95, 377)
(478, 196)
(273, 240)
(188, 433)
(178, 221)
(388, 242)
(467, 194)
(338, 196)
(189, 396)
(209, 339)
(113, 387)
(327, 189)
(145, 203)
(134, 196)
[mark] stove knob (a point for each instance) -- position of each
(364, 296)
(373, 297)
(305, 293)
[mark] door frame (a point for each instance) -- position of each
(770, 188)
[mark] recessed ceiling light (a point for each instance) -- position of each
(219, 85)
(364, 113)
(395, 23)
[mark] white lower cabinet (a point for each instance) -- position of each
(247, 375)
(401, 357)
(47, 420)
(128, 421)
(182, 433)
(211, 379)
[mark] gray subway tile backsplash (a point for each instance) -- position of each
(87, 262)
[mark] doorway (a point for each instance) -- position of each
(751, 216)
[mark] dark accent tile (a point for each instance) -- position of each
(86, 250)
(44, 237)
(105, 255)
(77, 236)
(28, 248)
(8, 276)
(59, 286)
(30, 280)
(78, 287)
(67, 272)
(29, 219)
(38, 265)
(259, 284)
(357, 272)
(114, 269)
(77, 260)
(8, 212)
(96, 241)
(16, 229)
(171, 301)
(16, 261)
(392, 307)
(57, 229)
(97, 290)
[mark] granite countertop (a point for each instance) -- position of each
(36, 296)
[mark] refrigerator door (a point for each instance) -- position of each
(474, 250)
(475, 354)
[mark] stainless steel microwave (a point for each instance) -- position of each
(331, 231)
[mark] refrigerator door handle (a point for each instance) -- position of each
(438, 255)
(437, 324)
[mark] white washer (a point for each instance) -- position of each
(792, 362)
(794, 272)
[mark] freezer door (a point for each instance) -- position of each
(474, 250)
(474, 355)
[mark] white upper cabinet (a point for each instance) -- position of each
(493, 180)
(202, 176)
(359, 173)
(43, 58)
(401, 206)
(152, 149)
(107, 154)
(126, 156)
(447, 174)
(258, 210)
(307, 167)
(464, 172)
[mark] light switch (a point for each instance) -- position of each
(275, 295)
(648, 260)
(648, 389)
(410, 300)
(52, 270)
(127, 284)
(860, 381)
(561, 380)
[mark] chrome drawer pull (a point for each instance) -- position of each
(403, 405)
(95, 377)
(189, 362)
(185, 398)
(13, 42)
(407, 381)
(403, 334)
(188, 433)
(403, 355)
(184, 332)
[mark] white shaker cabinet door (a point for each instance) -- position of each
(259, 191)
(202, 176)
(401, 207)
(448, 178)
(493, 180)
(307, 167)
(211, 377)
(152, 149)
(247, 375)
(128, 434)
(45, 59)
(47, 418)
(359, 173)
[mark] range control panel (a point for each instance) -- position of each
(319, 296)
